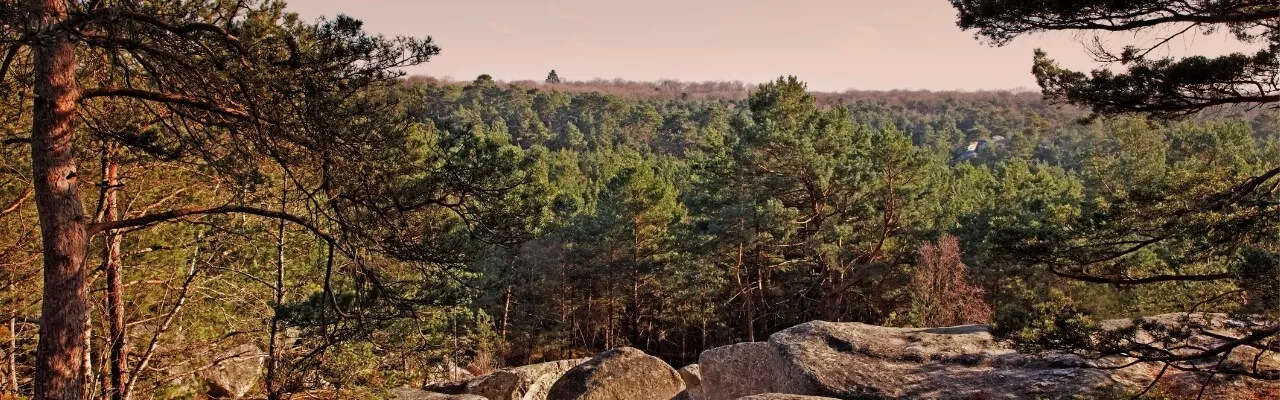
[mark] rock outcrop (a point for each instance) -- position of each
(530, 382)
(234, 372)
(620, 374)
(823, 360)
(852, 360)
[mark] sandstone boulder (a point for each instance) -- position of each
(530, 382)
(542, 376)
(234, 372)
(499, 385)
(744, 369)
(408, 393)
(620, 374)
(852, 360)
(692, 381)
(781, 396)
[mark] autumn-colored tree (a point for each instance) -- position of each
(940, 288)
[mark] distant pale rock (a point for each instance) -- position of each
(620, 374)
(540, 377)
(692, 376)
(530, 382)
(408, 393)
(782, 396)
(234, 372)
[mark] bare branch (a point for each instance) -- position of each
(15, 140)
(14, 205)
(8, 60)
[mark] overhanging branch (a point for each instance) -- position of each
(168, 98)
(152, 219)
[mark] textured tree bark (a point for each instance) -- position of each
(61, 350)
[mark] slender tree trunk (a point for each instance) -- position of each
(584, 329)
(763, 313)
(273, 346)
(684, 343)
(60, 353)
(637, 321)
(636, 316)
(704, 334)
(13, 351)
(748, 301)
(506, 302)
(608, 337)
(118, 359)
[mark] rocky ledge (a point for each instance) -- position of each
(818, 360)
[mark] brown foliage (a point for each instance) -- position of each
(942, 293)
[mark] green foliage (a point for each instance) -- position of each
(1161, 87)
(1258, 272)
(507, 225)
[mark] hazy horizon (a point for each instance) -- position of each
(832, 47)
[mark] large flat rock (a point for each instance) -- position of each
(860, 361)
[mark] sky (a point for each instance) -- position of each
(833, 45)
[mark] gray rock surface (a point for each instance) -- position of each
(530, 382)
(234, 372)
(783, 396)
(692, 376)
(744, 369)
(499, 385)
(540, 377)
(408, 393)
(852, 360)
(620, 374)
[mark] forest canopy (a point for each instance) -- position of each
(186, 182)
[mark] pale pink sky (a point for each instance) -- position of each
(832, 45)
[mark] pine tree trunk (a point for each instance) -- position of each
(13, 350)
(506, 302)
(748, 301)
(119, 354)
(636, 316)
(64, 316)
